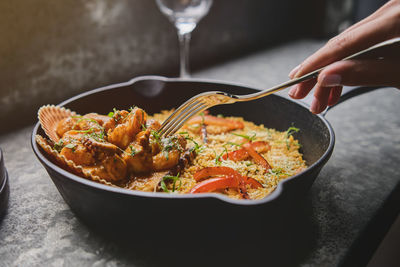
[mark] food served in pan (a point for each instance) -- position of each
(226, 155)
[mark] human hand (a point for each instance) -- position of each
(382, 25)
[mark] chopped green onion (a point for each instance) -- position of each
(174, 179)
(288, 133)
(250, 138)
(233, 144)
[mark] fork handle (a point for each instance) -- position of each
(373, 51)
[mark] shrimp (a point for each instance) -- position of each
(73, 149)
(98, 156)
(168, 157)
(124, 133)
(138, 155)
(90, 122)
(164, 161)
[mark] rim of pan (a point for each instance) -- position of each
(271, 197)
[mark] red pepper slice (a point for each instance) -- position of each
(222, 170)
(212, 120)
(237, 155)
(256, 157)
(241, 154)
(213, 171)
(214, 184)
(252, 182)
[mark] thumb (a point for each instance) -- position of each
(361, 72)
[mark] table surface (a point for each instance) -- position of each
(354, 193)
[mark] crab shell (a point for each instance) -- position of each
(68, 164)
(49, 116)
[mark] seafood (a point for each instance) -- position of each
(109, 149)
(226, 155)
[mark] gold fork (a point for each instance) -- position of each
(207, 100)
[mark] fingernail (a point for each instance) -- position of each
(315, 105)
(330, 80)
(293, 91)
(294, 71)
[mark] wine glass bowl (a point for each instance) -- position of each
(184, 14)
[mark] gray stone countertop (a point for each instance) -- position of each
(40, 230)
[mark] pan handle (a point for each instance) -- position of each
(350, 92)
(347, 93)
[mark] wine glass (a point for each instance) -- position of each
(184, 14)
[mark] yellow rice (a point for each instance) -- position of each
(284, 156)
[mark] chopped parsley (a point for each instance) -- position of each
(71, 146)
(59, 145)
(156, 136)
(133, 151)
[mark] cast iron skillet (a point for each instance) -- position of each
(110, 207)
(4, 187)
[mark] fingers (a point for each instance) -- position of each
(384, 24)
(334, 95)
(323, 97)
(352, 72)
(381, 26)
(361, 72)
(301, 90)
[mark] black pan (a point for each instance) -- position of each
(107, 206)
(4, 187)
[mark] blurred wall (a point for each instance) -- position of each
(51, 50)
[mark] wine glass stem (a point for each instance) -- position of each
(184, 40)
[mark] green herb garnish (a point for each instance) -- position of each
(156, 136)
(174, 179)
(233, 144)
(288, 133)
(291, 131)
(71, 146)
(250, 138)
(218, 157)
(59, 145)
(196, 147)
(277, 171)
(133, 151)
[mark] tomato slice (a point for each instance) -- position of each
(212, 120)
(256, 157)
(214, 184)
